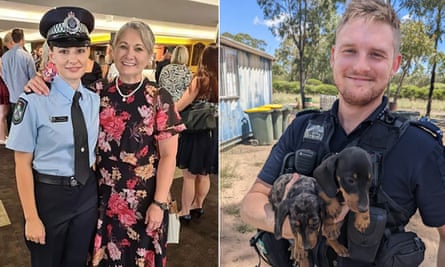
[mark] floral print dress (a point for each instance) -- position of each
(127, 163)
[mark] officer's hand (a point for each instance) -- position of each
(35, 231)
(289, 185)
(37, 85)
(342, 215)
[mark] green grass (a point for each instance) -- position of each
(232, 210)
(244, 228)
(437, 106)
(227, 173)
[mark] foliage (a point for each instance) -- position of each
(247, 40)
(298, 23)
(415, 46)
(285, 86)
(313, 82)
(431, 12)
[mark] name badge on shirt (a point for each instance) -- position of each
(59, 119)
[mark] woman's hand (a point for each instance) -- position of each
(154, 217)
(37, 85)
(342, 215)
(35, 231)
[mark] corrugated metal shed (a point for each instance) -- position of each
(245, 82)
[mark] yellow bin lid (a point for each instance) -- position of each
(273, 106)
(258, 109)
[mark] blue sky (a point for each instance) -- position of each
(245, 16)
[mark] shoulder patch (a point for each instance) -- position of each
(428, 126)
(19, 111)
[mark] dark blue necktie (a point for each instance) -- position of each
(81, 153)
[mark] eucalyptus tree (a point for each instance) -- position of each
(432, 13)
(303, 22)
(416, 46)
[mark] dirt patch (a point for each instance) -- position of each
(239, 168)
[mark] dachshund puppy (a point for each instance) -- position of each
(349, 173)
(303, 206)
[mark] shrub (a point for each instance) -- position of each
(326, 89)
(313, 82)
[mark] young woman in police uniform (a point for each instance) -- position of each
(59, 205)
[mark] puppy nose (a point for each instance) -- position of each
(307, 245)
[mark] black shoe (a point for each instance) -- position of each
(197, 212)
(185, 219)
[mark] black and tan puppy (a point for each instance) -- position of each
(350, 173)
(303, 206)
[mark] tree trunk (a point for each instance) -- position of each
(302, 82)
(399, 86)
(430, 93)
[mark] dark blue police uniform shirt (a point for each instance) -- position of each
(46, 128)
(413, 171)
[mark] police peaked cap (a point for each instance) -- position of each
(67, 26)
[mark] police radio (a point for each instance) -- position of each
(301, 161)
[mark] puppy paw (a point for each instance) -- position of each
(298, 253)
(341, 250)
(331, 231)
(333, 209)
(362, 221)
(305, 262)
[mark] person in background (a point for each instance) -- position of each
(17, 68)
(4, 103)
(197, 151)
(176, 76)
(93, 73)
(408, 162)
(59, 200)
(161, 64)
(38, 56)
(7, 41)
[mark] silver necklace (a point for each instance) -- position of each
(124, 97)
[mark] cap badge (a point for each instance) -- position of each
(71, 23)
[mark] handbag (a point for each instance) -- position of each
(200, 115)
(174, 225)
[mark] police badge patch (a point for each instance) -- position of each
(19, 111)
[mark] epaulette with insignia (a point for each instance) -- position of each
(428, 126)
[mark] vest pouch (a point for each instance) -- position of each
(364, 246)
(403, 249)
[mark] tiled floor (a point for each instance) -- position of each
(198, 241)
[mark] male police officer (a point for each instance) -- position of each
(411, 161)
(56, 185)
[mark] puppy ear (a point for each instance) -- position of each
(280, 214)
(325, 175)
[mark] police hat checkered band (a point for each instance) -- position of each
(70, 25)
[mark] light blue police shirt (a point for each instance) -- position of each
(46, 128)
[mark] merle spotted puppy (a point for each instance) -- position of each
(304, 208)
